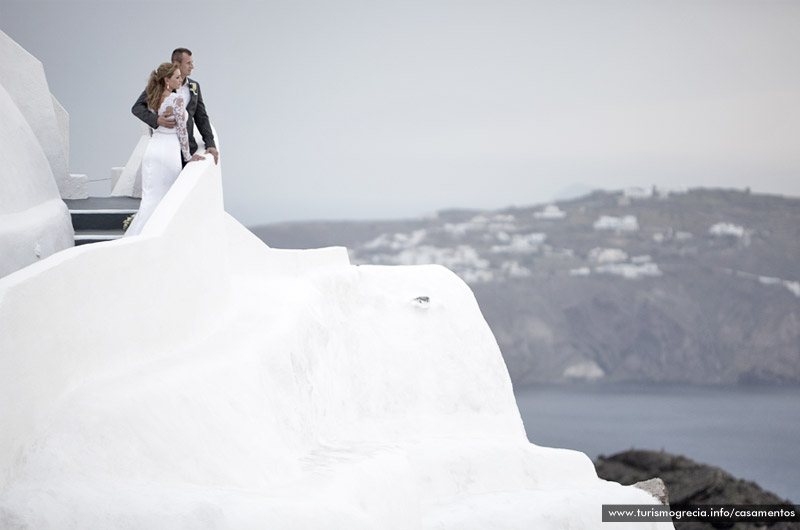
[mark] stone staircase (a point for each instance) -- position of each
(99, 219)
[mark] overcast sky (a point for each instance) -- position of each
(373, 109)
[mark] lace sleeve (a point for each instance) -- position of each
(180, 127)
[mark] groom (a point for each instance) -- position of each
(190, 91)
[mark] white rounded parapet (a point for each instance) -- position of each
(223, 384)
(34, 221)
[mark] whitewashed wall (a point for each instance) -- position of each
(87, 308)
(23, 77)
(192, 377)
(34, 221)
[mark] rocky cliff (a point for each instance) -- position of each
(689, 482)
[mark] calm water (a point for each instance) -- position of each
(752, 433)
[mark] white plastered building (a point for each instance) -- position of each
(34, 139)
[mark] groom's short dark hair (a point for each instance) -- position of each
(177, 54)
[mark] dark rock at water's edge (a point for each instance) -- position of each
(690, 482)
(695, 287)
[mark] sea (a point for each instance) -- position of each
(752, 432)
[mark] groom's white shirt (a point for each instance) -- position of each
(185, 93)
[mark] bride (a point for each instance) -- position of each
(161, 164)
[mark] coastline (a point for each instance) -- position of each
(721, 426)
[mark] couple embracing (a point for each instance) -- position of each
(171, 105)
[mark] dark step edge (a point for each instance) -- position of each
(97, 237)
(100, 220)
(102, 212)
(81, 242)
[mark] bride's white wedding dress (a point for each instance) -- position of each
(161, 164)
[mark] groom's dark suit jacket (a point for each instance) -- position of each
(197, 114)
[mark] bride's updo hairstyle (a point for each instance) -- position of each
(155, 85)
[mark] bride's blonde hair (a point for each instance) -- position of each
(155, 85)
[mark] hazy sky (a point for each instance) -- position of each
(373, 109)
